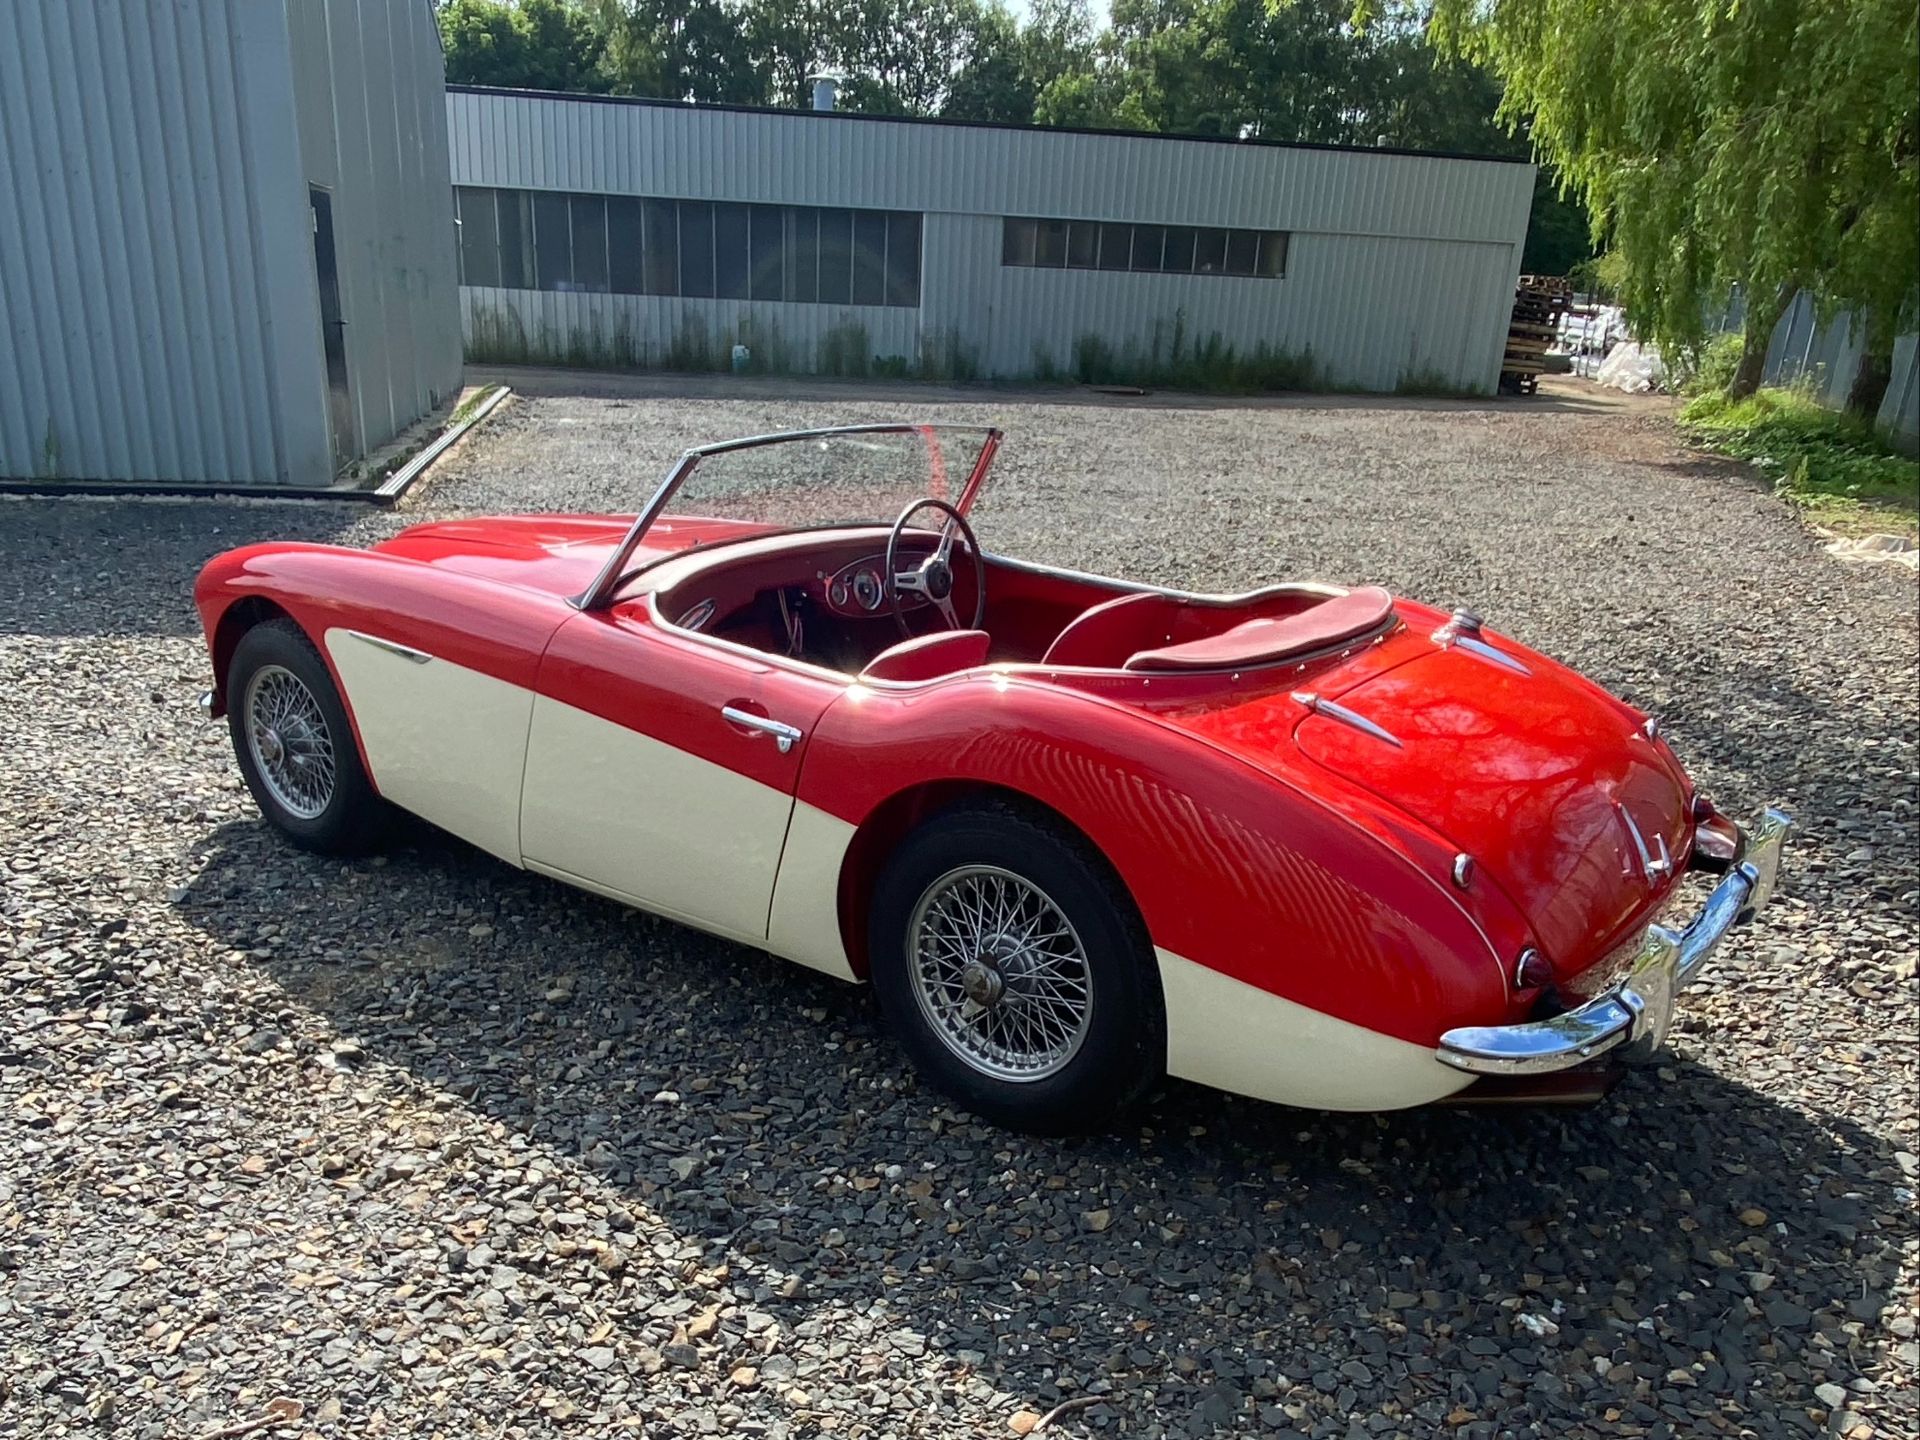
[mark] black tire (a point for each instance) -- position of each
(1121, 1054)
(353, 818)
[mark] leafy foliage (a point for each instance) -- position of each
(1770, 144)
(1713, 367)
(1831, 464)
(535, 45)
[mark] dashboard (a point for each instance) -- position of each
(856, 589)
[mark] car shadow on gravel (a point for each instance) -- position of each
(126, 567)
(1225, 1260)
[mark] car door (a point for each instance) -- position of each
(661, 767)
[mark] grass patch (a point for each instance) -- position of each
(1171, 360)
(1839, 469)
(479, 397)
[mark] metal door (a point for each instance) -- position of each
(333, 328)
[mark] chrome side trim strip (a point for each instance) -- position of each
(1634, 1015)
(1333, 711)
(392, 647)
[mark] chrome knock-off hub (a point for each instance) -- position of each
(983, 984)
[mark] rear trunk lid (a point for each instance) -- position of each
(1553, 787)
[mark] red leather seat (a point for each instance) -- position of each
(1267, 642)
(927, 656)
(1102, 634)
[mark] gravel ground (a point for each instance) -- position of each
(425, 1146)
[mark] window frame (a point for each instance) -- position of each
(1142, 247)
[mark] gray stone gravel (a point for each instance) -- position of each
(432, 1147)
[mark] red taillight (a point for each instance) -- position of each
(1531, 971)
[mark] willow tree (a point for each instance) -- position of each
(1768, 144)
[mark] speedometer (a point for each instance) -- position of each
(866, 589)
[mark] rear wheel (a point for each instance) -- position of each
(1013, 966)
(295, 745)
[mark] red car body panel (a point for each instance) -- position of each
(1290, 852)
(1270, 886)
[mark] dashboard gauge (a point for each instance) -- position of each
(837, 595)
(866, 589)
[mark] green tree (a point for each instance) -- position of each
(679, 50)
(1422, 99)
(990, 79)
(1768, 144)
(533, 45)
(791, 41)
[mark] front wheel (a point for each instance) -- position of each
(1014, 968)
(295, 745)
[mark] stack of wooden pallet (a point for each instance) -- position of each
(1538, 303)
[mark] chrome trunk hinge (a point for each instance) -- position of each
(1652, 865)
(1462, 632)
(1345, 716)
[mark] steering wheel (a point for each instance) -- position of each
(932, 578)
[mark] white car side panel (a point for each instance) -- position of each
(442, 741)
(636, 818)
(805, 922)
(1230, 1035)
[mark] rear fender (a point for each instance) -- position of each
(1231, 869)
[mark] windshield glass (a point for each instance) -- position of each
(842, 477)
(804, 480)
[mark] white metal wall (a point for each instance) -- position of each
(159, 314)
(151, 217)
(368, 88)
(1401, 267)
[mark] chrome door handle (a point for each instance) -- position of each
(784, 735)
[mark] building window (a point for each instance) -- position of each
(589, 216)
(629, 245)
(695, 251)
(1173, 249)
(479, 235)
(869, 257)
(903, 259)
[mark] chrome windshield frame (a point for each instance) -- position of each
(601, 592)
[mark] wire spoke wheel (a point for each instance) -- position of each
(291, 747)
(1000, 973)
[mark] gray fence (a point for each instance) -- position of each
(1825, 357)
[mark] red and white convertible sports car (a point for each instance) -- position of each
(1310, 844)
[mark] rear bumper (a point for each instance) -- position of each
(1630, 1020)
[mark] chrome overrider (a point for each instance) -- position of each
(1632, 1017)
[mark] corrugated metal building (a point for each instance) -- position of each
(226, 237)
(599, 230)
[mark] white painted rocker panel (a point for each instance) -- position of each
(442, 741)
(804, 924)
(1233, 1036)
(640, 819)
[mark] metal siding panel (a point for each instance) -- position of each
(576, 328)
(1401, 263)
(124, 327)
(142, 169)
(248, 360)
(376, 127)
(67, 412)
(793, 158)
(114, 373)
(1900, 411)
(155, 256)
(193, 163)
